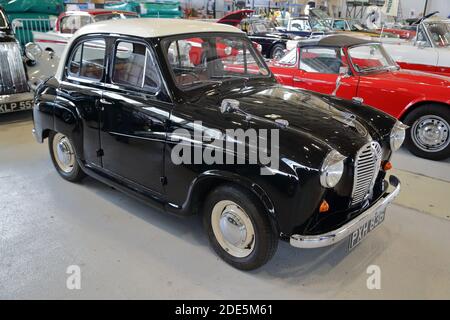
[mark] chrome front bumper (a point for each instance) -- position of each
(332, 237)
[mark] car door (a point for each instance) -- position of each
(81, 88)
(134, 113)
(319, 69)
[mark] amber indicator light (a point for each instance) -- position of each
(324, 206)
(387, 165)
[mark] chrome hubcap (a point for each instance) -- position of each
(233, 229)
(63, 151)
(431, 133)
(278, 54)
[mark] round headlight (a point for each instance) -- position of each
(33, 51)
(332, 169)
(397, 136)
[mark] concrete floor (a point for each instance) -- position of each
(127, 250)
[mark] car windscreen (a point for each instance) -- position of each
(208, 59)
(439, 33)
(290, 58)
(370, 57)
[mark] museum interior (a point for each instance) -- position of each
(224, 149)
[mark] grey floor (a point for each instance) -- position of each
(127, 250)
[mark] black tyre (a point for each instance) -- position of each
(239, 228)
(63, 157)
(428, 135)
(277, 51)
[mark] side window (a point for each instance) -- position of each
(88, 60)
(134, 66)
(321, 60)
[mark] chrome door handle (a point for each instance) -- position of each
(104, 101)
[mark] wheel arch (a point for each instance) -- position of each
(419, 104)
(208, 181)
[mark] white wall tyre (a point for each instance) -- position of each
(63, 156)
(238, 227)
(428, 135)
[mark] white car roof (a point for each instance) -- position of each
(145, 28)
(151, 28)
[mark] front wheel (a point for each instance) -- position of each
(277, 52)
(238, 228)
(63, 157)
(429, 133)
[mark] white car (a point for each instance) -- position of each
(428, 51)
(47, 48)
(69, 22)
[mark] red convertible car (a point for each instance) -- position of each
(361, 70)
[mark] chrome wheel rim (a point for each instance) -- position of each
(233, 229)
(63, 152)
(278, 54)
(430, 133)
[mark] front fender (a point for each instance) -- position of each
(207, 180)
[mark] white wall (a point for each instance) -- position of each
(443, 6)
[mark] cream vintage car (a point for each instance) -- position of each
(47, 47)
(428, 51)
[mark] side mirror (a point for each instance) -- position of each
(344, 72)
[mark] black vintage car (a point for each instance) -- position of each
(273, 42)
(14, 90)
(129, 108)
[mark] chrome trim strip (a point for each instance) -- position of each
(140, 137)
(332, 237)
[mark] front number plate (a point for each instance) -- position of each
(15, 106)
(358, 235)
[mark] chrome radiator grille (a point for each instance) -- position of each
(12, 72)
(367, 166)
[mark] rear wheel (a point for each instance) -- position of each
(238, 228)
(63, 157)
(429, 133)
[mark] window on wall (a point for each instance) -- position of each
(88, 60)
(321, 60)
(134, 66)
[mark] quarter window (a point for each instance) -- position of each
(88, 60)
(321, 60)
(134, 66)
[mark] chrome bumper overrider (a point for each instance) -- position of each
(332, 237)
